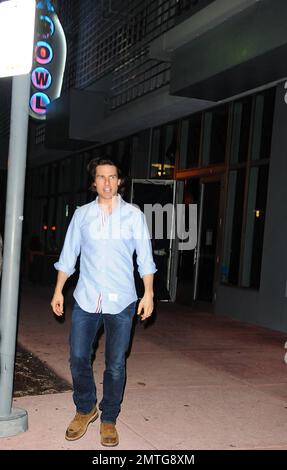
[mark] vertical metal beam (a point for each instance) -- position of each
(13, 421)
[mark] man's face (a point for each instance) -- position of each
(106, 181)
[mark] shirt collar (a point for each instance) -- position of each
(118, 202)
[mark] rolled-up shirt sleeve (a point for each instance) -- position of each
(145, 260)
(71, 248)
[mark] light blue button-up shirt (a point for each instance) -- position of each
(106, 249)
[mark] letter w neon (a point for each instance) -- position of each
(41, 78)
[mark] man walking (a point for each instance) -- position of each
(106, 233)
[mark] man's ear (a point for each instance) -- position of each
(119, 182)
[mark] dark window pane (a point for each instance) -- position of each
(215, 134)
(190, 141)
(156, 160)
(208, 241)
(65, 179)
(233, 226)
(183, 144)
(194, 140)
(86, 179)
(263, 122)
(240, 130)
(41, 184)
(163, 152)
(124, 156)
(170, 147)
(253, 243)
(54, 178)
(76, 173)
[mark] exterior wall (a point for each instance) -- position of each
(268, 306)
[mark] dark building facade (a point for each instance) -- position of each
(190, 97)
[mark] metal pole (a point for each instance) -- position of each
(13, 421)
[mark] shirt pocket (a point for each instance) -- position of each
(126, 232)
(91, 231)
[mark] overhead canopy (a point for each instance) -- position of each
(245, 52)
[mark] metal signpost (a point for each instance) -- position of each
(17, 18)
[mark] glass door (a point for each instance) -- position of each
(157, 199)
(198, 267)
(206, 253)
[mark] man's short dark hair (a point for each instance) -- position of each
(104, 160)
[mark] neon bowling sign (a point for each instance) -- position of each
(48, 61)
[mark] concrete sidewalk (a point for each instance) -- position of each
(195, 381)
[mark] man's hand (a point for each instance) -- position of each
(145, 305)
(57, 304)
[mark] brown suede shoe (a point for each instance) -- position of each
(109, 435)
(79, 425)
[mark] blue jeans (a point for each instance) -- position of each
(84, 329)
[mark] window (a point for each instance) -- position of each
(254, 230)
(233, 225)
(156, 154)
(190, 141)
(170, 147)
(163, 151)
(215, 135)
(43, 181)
(124, 156)
(54, 178)
(77, 163)
(241, 114)
(65, 176)
(264, 109)
(251, 135)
